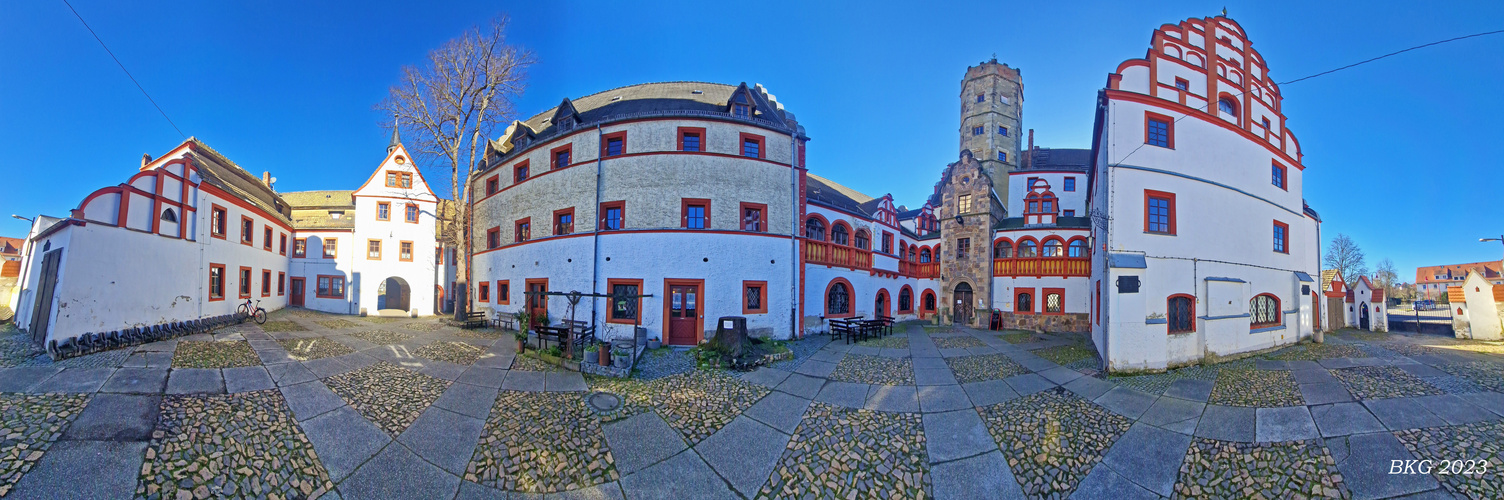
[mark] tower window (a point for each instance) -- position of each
(1002, 156)
(1003, 131)
(1277, 175)
(1182, 84)
(977, 130)
(981, 97)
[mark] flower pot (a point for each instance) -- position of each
(621, 361)
(604, 355)
(654, 344)
(592, 356)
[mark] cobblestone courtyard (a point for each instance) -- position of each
(320, 406)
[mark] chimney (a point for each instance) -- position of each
(1031, 141)
(145, 160)
(266, 178)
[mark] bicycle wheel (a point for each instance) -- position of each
(260, 316)
(242, 310)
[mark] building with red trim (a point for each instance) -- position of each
(1205, 247)
(1432, 282)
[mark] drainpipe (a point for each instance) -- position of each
(796, 323)
(1317, 335)
(595, 262)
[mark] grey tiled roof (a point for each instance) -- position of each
(1059, 159)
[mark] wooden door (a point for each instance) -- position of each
(683, 314)
(537, 303)
(1363, 316)
(963, 307)
(880, 304)
(295, 296)
(41, 313)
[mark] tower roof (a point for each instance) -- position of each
(396, 141)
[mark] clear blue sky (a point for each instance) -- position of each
(1401, 154)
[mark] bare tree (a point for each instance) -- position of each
(449, 107)
(1344, 255)
(1385, 276)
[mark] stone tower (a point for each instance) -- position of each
(992, 99)
(967, 215)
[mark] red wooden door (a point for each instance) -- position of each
(537, 303)
(683, 314)
(296, 296)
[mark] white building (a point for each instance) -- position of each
(1206, 248)
(1477, 308)
(192, 235)
(1365, 306)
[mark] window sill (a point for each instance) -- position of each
(1156, 321)
(1214, 318)
(1154, 233)
(615, 321)
(1261, 329)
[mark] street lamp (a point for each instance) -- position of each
(1500, 239)
(22, 218)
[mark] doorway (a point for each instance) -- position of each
(393, 293)
(880, 304)
(41, 315)
(963, 306)
(683, 311)
(295, 296)
(537, 302)
(1363, 316)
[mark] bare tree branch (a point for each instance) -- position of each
(1344, 255)
(448, 107)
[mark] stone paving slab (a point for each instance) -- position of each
(779, 410)
(1174, 414)
(684, 476)
(563, 382)
(247, 379)
(289, 374)
(443, 438)
(1402, 413)
(397, 472)
(1028, 383)
(1227, 423)
(847, 394)
(1342, 419)
(1454, 410)
(642, 440)
(1189, 389)
(942, 398)
(343, 440)
(79, 380)
(116, 417)
(1149, 457)
(1491, 401)
(310, 399)
(744, 453)
(137, 381)
(1364, 461)
(898, 398)
(1126, 402)
(1090, 387)
(1103, 482)
(326, 367)
(523, 381)
(841, 453)
(987, 393)
(802, 386)
(982, 476)
(766, 377)
(466, 399)
(24, 378)
(195, 381)
(1325, 393)
(111, 468)
(1288, 423)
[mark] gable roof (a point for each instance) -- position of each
(320, 199)
(828, 193)
(1058, 159)
(220, 172)
(11, 246)
(1327, 275)
(1458, 272)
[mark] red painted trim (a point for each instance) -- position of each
(281, 283)
(1150, 116)
(762, 145)
(483, 292)
(282, 244)
(553, 156)
(901, 291)
(685, 203)
(1149, 193)
(679, 142)
(887, 303)
(1122, 95)
(849, 233)
(1279, 312)
(244, 285)
(247, 236)
(518, 235)
(266, 282)
(925, 298)
(332, 278)
(222, 278)
(218, 193)
(699, 306)
(520, 172)
(493, 238)
(295, 253)
(762, 220)
(1167, 311)
(628, 155)
(1285, 237)
(606, 140)
(266, 236)
(1019, 291)
(503, 292)
(493, 184)
(1044, 295)
(325, 247)
(824, 225)
(528, 301)
(556, 226)
(223, 228)
(600, 224)
(611, 286)
(762, 297)
(850, 299)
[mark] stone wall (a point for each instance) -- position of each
(1047, 322)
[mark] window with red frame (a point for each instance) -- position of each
(299, 247)
(613, 215)
(245, 282)
(563, 221)
(614, 144)
(217, 224)
(560, 156)
(503, 293)
(1159, 130)
(1181, 317)
(1054, 300)
(266, 283)
(331, 248)
(1277, 175)
(281, 283)
(247, 230)
(1023, 301)
(483, 291)
(519, 172)
(493, 238)
(695, 213)
(216, 281)
(523, 230)
(754, 217)
(1159, 212)
(1281, 237)
(691, 139)
(887, 242)
(493, 184)
(751, 146)
(1263, 311)
(754, 297)
(282, 244)
(383, 210)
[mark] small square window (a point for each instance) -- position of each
(1159, 133)
(751, 148)
(383, 210)
(981, 97)
(493, 184)
(493, 238)
(1003, 131)
(1002, 156)
(1070, 183)
(520, 172)
(1182, 84)
(564, 222)
(331, 248)
(524, 230)
(977, 130)
(741, 111)
(691, 141)
(1277, 175)
(612, 215)
(1070, 213)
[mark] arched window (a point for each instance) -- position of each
(1263, 311)
(1026, 249)
(1023, 303)
(905, 300)
(1002, 250)
(838, 234)
(814, 229)
(169, 216)
(924, 256)
(838, 300)
(1077, 249)
(929, 301)
(1181, 316)
(1053, 303)
(1053, 248)
(1226, 105)
(862, 241)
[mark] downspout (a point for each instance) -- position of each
(796, 330)
(1317, 335)
(595, 257)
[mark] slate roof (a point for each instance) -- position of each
(320, 199)
(1062, 222)
(1059, 159)
(224, 174)
(321, 218)
(822, 191)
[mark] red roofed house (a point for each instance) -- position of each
(1431, 282)
(1365, 306)
(1477, 308)
(1334, 293)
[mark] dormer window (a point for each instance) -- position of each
(741, 111)
(336, 214)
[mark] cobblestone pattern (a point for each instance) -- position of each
(802, 350)
(390, 396)
(16, 349)
(1317, 352)
(848, 453)
(235, 445)
(984, 367)
(1256, 388)
(1453, 384)
(1156, 383)
(299, 312)
(423, 326)
(1361, 335)
(1378, 382)
(958, 342)
(314, 348)
(1065, 355)
(541, 442)
(383, 337)
(881, 370)
(335, 324)
(214, 354)
(281, 326)
(889, 341)
(1408, 349)
(458, 353)
(1481, 441)
(482, 333)
(1294, 469)
(697, 404)
(1052, 439)
(1488, 375)
(1020, 337)
(659, 363)
(30, 424)
(381, 320)
(528, 363)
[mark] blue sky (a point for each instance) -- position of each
(1401, 154)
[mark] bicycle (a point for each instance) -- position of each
(254, 312)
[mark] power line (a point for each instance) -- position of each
(122, 68)
(1327, 72)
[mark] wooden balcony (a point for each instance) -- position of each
(829, 254)
(1039, 267)
(917, 270)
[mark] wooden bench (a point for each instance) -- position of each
(887, 323)
(475, 319)
(849, 329)
(555, 334)
(504, 320)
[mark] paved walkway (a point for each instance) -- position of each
(312, 405)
